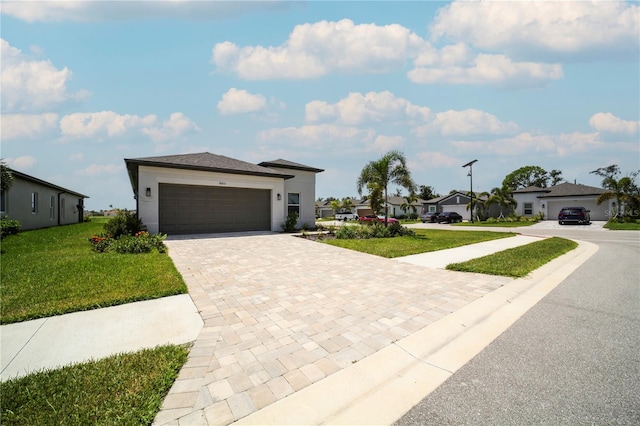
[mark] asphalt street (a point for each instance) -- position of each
(573, 359)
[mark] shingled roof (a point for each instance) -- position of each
(567, 189)
(207, 162)
(285, 164)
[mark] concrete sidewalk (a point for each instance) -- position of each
(53, 342)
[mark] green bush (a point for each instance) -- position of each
(346, 233)
(124, 223)
(290, 223)
(9, 227)
(397, 230)
(142, 242)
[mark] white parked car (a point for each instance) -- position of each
(346, 216)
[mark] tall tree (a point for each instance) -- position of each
(6, 177)
(503, 198)
(624, 190)
(347, 203)
(390, 169)
(526, 176)
(335, 205)
(555, 176)
(408, 205)
(427, 192)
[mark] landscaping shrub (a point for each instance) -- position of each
(290, 223)
(397, 230)
(9, 227)
(141, 242)
(346, 233)
(124, 223)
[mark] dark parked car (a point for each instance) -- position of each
(376, 218)
(449, 217)
(429, 217)
(578, 215)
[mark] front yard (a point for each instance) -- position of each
(54, 271)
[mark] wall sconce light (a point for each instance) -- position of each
(279, 197)
(543, 205)
(148, 192)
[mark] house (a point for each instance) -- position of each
(36, 203)
(323, 209)
(455, 202)
(548, 201)
(209, 193)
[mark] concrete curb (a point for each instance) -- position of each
(382, 387)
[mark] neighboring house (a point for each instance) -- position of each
(36, 203)
(454, 202)
(323, 209)
(208, 193)
(110, 213)
(548, 201)
(394, 206)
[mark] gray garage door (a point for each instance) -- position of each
(191, 209)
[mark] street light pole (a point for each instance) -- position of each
(470, 165)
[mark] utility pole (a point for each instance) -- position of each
(470, 174)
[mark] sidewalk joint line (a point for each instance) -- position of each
(25, 344)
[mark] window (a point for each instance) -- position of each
(52, 205)
(528, 208)
(293, 203)
(3, 201)
(34, 202)
(432, 209)
(62, 209)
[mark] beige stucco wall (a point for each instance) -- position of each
(151, 177)
(304, 183)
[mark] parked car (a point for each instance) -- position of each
(346, 216)
(376, 218)
(449, 217)
(429, 217)
(578, 215)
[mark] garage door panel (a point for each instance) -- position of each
(190, 209)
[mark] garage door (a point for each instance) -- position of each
(191, 209)
(596, 212)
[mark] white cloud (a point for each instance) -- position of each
(24, 162)
(484, 69)
(91, 10)
(314, 50)
(318, 136)
(607, 122)
(175, 127)
(112, 124)
(76, 157)
(29, 85)
(467, 122)
(100, 169)
(567, 27)
(357, 108)
(528, 143)
(236, 101)
(435, 160)
(384, 143)
(85, 124)
(16, 126)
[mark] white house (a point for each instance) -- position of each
(209, 193)
(549, 201)
(36, 203)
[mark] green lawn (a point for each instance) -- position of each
(496, 224)
(124, 389)
(517, 261)
(627, 226)
(425, 240)
(53, 271)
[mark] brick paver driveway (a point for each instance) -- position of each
(282, 312)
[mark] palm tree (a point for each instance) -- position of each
(347, 204)
(503, 198)
(623, 190)
(408, 203)
(390, 169)
(335, 206)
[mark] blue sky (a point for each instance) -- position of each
(334, 85)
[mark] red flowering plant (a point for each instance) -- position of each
(125, 233)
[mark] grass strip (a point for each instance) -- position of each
(425, 240)
(496, 224)
(124, 389)
(626, 226)
(518, 261)
(54, 271)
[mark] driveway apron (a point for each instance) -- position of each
(281, 313)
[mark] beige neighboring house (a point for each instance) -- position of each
(549, 201)
(208, 193)
(36, 203)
